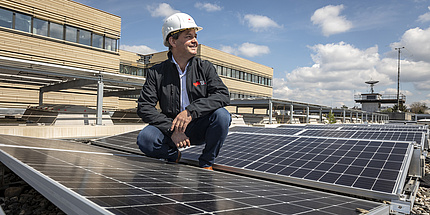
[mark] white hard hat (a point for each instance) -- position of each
(177, 22)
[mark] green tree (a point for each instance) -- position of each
(402, 108)
(331, 118)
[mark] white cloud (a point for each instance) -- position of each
(329, 19)
(207, 6)
(259, 23)
(142, 49)
(342, 68)
(425, 17)
(246, 49)
(417, 44)
(338, 70)
(162, 10)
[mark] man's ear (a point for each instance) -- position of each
(172, 41)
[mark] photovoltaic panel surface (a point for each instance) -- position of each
(124, 142)
(371, 168)
(82, 179)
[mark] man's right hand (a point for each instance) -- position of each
(180, 139)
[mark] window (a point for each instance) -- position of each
(71, 34)
(40, 27)
(84, 37)
(22, 22)
(224, 71)
(218, 70)
(97, 41)
(228, 72)
(6, 18)
(110, 44)
(56, 30)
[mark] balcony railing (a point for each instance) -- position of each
(378, 97)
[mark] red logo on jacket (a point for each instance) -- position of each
(199, 83)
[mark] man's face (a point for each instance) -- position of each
(187, 43)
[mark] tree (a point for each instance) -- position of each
(419, 107)
(331, 118)
(402, 108)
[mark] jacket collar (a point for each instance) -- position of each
(170, 56)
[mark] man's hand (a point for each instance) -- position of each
(180, 139)
(181, 121)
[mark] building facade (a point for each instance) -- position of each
(244, 78)
(64, 52)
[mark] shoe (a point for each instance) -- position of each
(179, 157)
(208, 168)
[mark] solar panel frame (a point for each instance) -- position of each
(247, 165)
(103, 185)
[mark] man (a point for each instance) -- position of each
(191, 97)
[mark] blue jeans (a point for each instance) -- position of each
(211, 130)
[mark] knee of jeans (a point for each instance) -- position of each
(146, 145)
(222, 116)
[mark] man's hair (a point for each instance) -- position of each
(175, 36)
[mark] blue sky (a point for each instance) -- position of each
(322, 51)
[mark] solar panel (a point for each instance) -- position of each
(262, 130)
(374, 127)
(124, 142)
(370, 168)
(417, 136)
(83, 179)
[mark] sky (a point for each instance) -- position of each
(321, 51)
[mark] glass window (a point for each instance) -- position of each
(84, 37)
(233, 73)
(218, 70)
(140, 72)
(224, 71)
(270, 82)
(6, 18)
(40, 27)
(228, 72)
(22, 22)
(97, 41)
(110, 44)
(56, 30)
(71, 34)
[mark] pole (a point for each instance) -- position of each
(398, 77)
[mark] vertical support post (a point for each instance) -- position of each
(362, 118)
(291, 113)
(356, 117)
(237, 109)
(307, 114)
(270, 111)
(350, 117)
(40, 97)
(321, 119)
(99, 113)
(344, 113)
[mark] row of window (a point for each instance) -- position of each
(132, 70)
(26, 23)
(241, 95)
(228, 72)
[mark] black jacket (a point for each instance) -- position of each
(206, 92)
